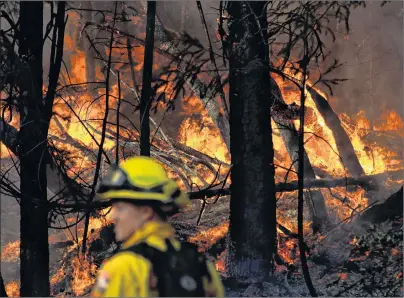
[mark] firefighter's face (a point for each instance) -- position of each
(128, 218)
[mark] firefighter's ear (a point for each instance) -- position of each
(147, 212)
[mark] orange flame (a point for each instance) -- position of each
(11, 252)
(205, 239)
(83, 275)
(13, 289)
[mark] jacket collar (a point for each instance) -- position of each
(151, 229)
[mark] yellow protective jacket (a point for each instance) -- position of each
(127, 274)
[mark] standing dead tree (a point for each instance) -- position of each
(35, 114)
(146, 98)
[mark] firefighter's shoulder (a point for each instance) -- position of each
(124, 260)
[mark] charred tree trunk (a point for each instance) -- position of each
(34, 255)
(344, 145)
(314, 199)
(3, 292)
(253, 204)
(146, 98)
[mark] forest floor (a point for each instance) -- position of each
(361, 258)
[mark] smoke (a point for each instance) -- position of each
(372, 53)
(373, 56)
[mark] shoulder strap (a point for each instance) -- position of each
(174, 269)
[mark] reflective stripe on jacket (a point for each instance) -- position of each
(127, 274)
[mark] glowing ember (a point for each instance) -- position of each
(221, 262)
(395, 252)
(354, 241)
(287, 250)
(11, 252)
(398, 275)
(343, 275)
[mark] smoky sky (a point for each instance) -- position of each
(372, 53)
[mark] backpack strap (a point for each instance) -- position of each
(168, 263)
(155, 257)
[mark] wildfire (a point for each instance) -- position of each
(202, 134)
(83, 275)
(78, 119)
(205, 239)
(391, 121)
(13, 289)
(11, 252)
(58, 276)
(287, 250)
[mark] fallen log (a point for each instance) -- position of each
(344, 145)
(366, 182)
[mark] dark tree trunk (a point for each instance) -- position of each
(253, 204)
(3, 292)
(344, 145)
(145, 100)
(314, 198)
(34, 255)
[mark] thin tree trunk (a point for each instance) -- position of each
(344, 145)
(253, 204)
(103, 132)
(302, 248)
(34, 249)
(314, 199)
(146, 97)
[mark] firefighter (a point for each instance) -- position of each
(150, 262)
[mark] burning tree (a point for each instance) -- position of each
(92, 122)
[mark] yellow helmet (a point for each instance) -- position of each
(143, 181)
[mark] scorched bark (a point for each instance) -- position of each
(32, 147)
(253, 204)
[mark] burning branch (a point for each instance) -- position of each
(218, 85)
(104, 125)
